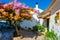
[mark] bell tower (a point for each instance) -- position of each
(36, 5)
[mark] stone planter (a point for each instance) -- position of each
(26, 30)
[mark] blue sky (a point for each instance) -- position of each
(43, 4)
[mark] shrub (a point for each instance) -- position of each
(38, 27)
(35, 28)
(51, 36)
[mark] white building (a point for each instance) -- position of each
(51, 17)
(30, 23)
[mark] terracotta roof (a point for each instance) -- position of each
(50, 7)
(45, 13)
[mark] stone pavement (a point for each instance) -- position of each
(38, 38)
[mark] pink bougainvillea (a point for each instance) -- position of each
(17, 6)
(35, 11)
(17, 11)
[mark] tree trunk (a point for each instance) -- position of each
(15, 25)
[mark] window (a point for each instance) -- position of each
(57, 18)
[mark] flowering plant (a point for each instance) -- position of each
(11, 15)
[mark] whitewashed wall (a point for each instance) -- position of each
(29, 23)
(52, 22)
(52, 25)
(41, 21)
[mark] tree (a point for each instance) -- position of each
(9, 15)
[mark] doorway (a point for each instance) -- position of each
(47, 24)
